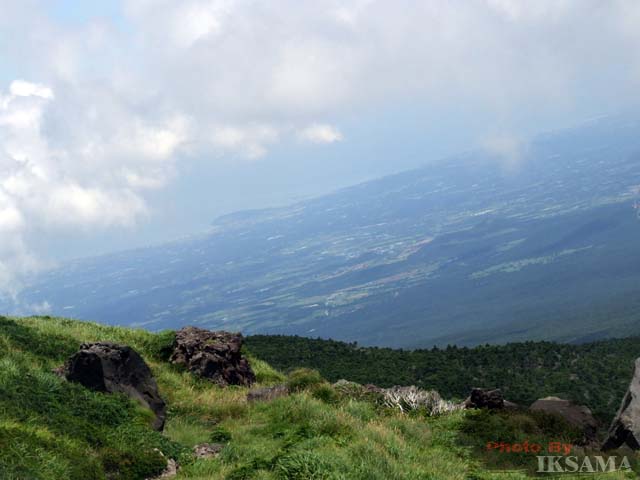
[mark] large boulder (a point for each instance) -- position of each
(577, 416)
(109, 367)
(491, 399)
(625, 428)
(213, 355)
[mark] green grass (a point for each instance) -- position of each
(52, 429)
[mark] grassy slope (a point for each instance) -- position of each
(51, 429)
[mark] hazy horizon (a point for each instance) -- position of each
(136, 240)
(130, 123)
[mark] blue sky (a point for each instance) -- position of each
(134, 122)
(74, 11)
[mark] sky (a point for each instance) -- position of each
(132, 122)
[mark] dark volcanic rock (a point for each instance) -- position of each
(625, 428)
(485, 398)
(266, 394)
(108, 367)
(213, 355)
(577, 416)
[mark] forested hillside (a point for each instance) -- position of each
(595, 374)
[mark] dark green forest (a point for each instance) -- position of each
(594, 374)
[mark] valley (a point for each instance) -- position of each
(464, 251)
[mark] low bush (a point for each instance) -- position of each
(303, 378)
(220, 435)
(325, 393)
(305, 465)
(160, 345)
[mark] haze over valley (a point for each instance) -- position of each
(485, 246)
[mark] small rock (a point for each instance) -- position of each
(511, 405)
(265, 394)
(60, 371)
(171, 470)
(207, 450)
(374, 389)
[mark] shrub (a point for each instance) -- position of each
(265, 373)
(250, 469)
(350, 389)
(363, 411)
(160, 345)
(243, 472)
(32, 452)
(325, 393)
(304, 465)
(129, 465)
(220, 435)
(303, 378)
(355, 391)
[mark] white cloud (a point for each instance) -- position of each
(321, 133)
(20, 88)
(251, 141)
(71, 204)
(11, 220)
(508, 149)
(183, 23)
(42, 308)
(153, 143)
(45, 188)
(108, 108)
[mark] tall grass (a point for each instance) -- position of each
(51, 429)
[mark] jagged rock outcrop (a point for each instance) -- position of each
(577, 416)
(213, 355)
(266, 394)
(109, 367)
(625, 428)
(486, 398)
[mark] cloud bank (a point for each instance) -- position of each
(320, 133)
(99, 112)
